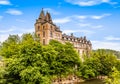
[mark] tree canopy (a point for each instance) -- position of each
(29, 62)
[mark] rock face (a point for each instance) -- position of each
(47, 30)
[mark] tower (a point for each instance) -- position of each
(46, 29)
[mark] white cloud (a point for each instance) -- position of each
(97, 26)
(112, 38)
(20, 20)
(100, 16)
(14, 12)
(3, 37)
(4, 2)
(85, 32)
(62, 20)
(84, 24)
(52, 11)
(80, 17)
(1, 17)
(89, 2)
(89, 25)
(8, 30)
(97, 17)
(106, 45)
(14, 30)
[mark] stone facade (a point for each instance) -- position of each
(47, 30)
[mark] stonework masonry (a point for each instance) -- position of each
(46, 30)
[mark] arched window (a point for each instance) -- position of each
(38, 35)
(43, 41)
(38, 28)
(43, 33)
(43, 27)
(51, 34)
(51, 27)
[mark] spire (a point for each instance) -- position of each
(42, 15)
(48, 17)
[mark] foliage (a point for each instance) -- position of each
(114, 77)
(99, 63)
(29, 62)
(116, 53)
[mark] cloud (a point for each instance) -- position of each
(106, 45)
(97, 17)
(52, 11)
(3, 37)
(84, 24)
(90, 25)
(4, 2)
(1, 17)
(14, 30)
(85, 32)
(100, 16)
(97, 26)
(89, 2)
(20, 20)
(112, 38)
(62, 20)
(80, 17)
(8, 30)
(14, 12)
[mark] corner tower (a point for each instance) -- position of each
(46, 29)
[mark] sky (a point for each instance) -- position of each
(98, 20)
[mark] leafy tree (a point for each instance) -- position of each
(114, 77)
(29, 62)
(99, 63)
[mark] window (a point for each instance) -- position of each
(43, 33)
(43, 41)
(43, 27)
(38, 35)
(51, 34)
(51, 27)
(38, 28)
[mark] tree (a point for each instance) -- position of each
(114, 77)
(29, 62)
(99, 63)
(9, 47)
(66, 59)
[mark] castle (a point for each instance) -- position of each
(47, 30)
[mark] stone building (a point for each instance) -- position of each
(47, 30)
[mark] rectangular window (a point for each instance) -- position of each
(38, 35)
(38, 28)
(51, 34)
(43, 33)
(43, 41)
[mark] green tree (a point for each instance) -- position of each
(29, 62)
(114, 77)
(99, 63)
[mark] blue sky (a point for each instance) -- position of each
(96, 19)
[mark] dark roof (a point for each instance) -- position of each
(81, 39)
